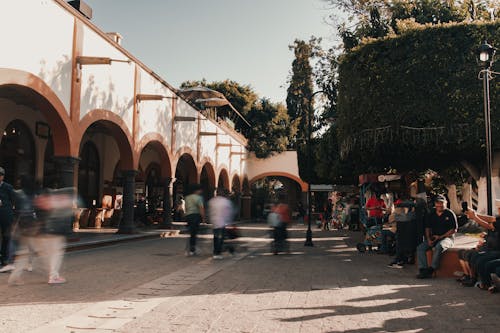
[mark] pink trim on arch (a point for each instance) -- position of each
(48, 102)
(120, 131)
(160, 144)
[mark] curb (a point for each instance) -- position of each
(77, 246)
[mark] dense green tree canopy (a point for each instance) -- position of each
(378, 18)
(414, 101)
(269, 131)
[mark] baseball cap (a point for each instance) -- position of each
(2, 171)
(440, 198)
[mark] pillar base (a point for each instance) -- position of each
(127, 230)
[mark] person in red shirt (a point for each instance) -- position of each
(375, 207)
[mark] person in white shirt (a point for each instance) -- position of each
(220, 214)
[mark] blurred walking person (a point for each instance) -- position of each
(7, 197)
(55, 210)
(279, 220)
(26, 229)
(220, 213)
(195, 213)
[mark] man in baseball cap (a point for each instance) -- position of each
(440, 228)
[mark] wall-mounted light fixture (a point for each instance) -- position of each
(151, 97)
(207, 133)
(182, 118)
(84, 60)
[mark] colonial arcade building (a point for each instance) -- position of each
(77, 109)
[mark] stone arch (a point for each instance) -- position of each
(223, 179)
(185, 174)
(185, 151)
(303, 185)
(18, 153)
(235, 184)
(159, 144)
(207, 180)
(28, 89)
(118, 129)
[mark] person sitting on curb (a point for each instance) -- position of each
(440, 228)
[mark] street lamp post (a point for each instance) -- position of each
(486, 54)
(309, 241)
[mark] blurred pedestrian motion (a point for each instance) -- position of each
(195, 213)
(221, 213)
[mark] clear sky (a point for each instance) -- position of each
(243, 40)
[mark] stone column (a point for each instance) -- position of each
(127, 223)
(67, 168)
(246, 207)
(167, 204)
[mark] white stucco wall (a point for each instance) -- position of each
(37, 37)
(107, 87)
(208, 142)
(223, 152)
(154, 116)
(284, 162)
(186, 131)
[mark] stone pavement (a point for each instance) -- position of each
(328, 288)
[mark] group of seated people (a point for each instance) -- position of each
(481, 265)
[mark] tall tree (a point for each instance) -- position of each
(270, 128)
(301, 88)
(299, 100)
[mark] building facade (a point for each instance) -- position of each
(78, 110)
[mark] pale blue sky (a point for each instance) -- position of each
(243, 40)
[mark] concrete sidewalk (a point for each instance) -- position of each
(89, 238)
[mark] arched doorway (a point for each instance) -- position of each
(269, 189)
(106, 168)
(236, 185)
(89, 174)
(207, 181)
(153, 181)
(185, 175)
(223, 181)
(17, 151)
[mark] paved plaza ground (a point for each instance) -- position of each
(150, 286)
